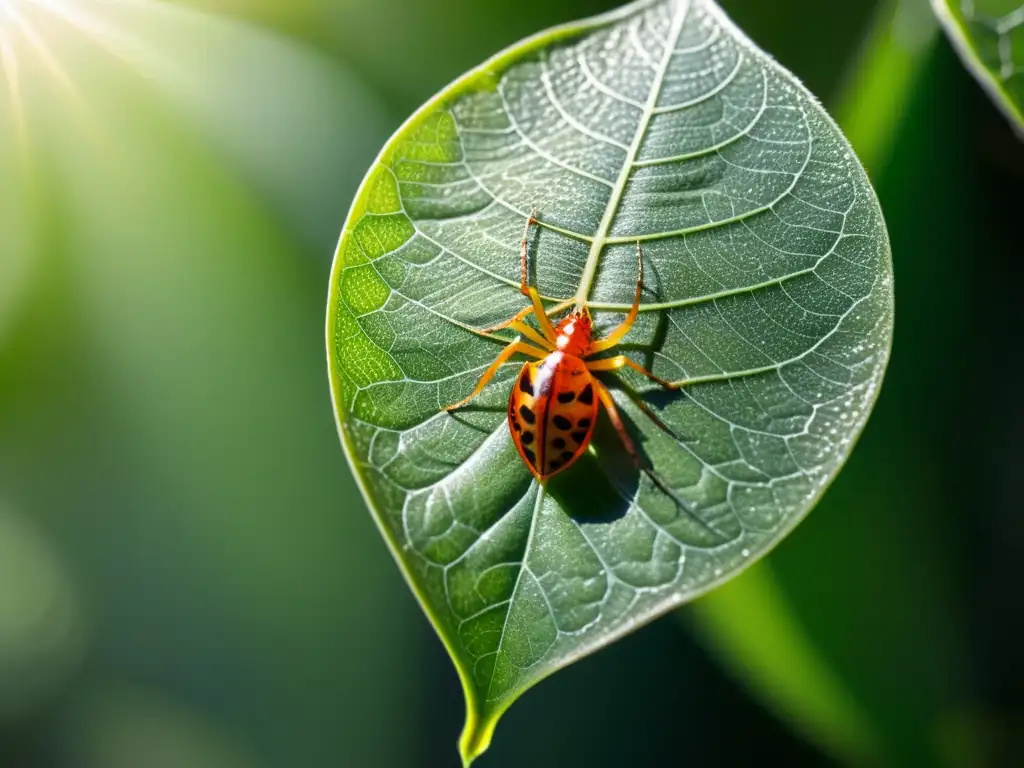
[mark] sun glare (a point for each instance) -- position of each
(32, 36)
(9, 71)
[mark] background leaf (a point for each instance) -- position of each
(752, 626)
(989, 36)
(769, 285)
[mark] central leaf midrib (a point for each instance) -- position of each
(590, 269)
(597, 245)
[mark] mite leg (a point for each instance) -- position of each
(613, 415)
(621, 361)
(524, 249)
(525, 312)
(516, 323)
(646, 409)
(536, 304)
(532, 335)
(516, 346)
(622, 329)
(531, 290)
(542, 318)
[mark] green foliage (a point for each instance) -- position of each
(989, 36)
(752, 625)
(769, 289)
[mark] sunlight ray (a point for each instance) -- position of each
(82, 113)
(124, 47)
(9, 66)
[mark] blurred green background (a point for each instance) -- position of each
(188, 575)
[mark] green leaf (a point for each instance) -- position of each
(753, 627)
(768, 288)
(882, 80)
(989, 36)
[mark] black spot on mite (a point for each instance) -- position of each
(561, 422)
(516, 425)
(527, 438)
(558, 443)
(530, 456)
(554, 465)
(567, 455)
(579, 437)
(566, 397)
(527, 414)
(587, 395)
(583, 423)
(524, 383)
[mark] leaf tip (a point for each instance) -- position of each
(476, 736)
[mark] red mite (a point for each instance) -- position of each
(554, 403)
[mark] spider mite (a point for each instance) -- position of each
(555, 399)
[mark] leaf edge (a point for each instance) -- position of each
(957, 35)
